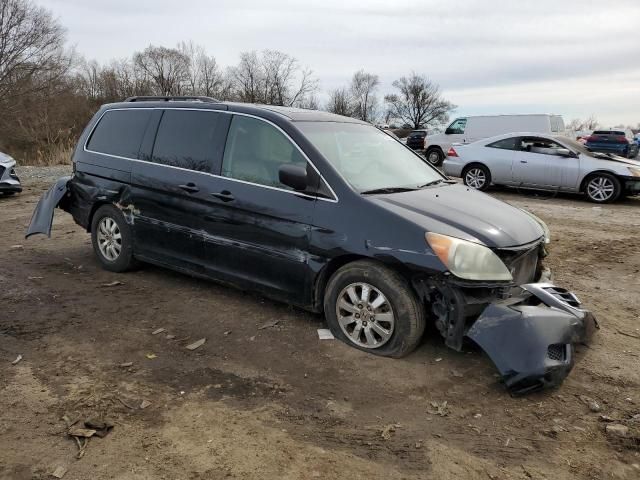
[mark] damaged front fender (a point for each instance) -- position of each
(42, 217)
(530, 338)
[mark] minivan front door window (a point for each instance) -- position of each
(368, 159)
(256, 150)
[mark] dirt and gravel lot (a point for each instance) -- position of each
(276, 402)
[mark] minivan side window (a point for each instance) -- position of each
(120, 133)
(255, 150)
(506, 144)
(188, 139)
(457, 127)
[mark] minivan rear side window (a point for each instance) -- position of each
(189, 139)
(120, 132)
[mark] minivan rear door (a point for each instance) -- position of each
(172, 184)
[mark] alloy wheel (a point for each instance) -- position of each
(433, 157)
(109, 239)
(600, 189)
(475, 178)
(365, 315)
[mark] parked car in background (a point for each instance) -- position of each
(543, 162)
(416, 138)
(471, 129)
(9, 181)
(325, 212)
(618, 141)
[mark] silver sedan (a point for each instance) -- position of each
(543, 162)
(9, 181)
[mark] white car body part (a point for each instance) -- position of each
(540, 161)
(473, 128)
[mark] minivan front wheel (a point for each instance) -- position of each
(112, 239)
(372, 308)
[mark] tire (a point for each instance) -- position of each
(602, 188)
(112, 239)
(398, 312)
(477, 177)
(434, 156)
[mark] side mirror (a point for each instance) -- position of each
(565, 152)
(449, 131)
(293, 176)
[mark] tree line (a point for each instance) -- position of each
(48, 92)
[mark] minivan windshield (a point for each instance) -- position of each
(370, 160)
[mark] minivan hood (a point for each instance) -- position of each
(464, 213)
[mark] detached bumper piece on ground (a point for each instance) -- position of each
(9, 181)
(531, 338)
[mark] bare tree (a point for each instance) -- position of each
(168, 68)
(31, 49)
(365, 102)
(340, 102)
(577, 125)
(419, 102)
(273, 77)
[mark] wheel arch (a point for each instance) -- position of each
(322, 279)
(94, 208)
(585, 179)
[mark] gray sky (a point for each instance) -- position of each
(575, 58)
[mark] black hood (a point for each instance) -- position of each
(464, 213)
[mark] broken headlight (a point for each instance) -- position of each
(468, 260)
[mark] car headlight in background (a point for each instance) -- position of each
(468, 260)
(635, 171)
(545, 229)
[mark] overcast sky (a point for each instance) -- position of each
(575, 58)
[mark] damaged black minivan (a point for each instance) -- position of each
(324, 212)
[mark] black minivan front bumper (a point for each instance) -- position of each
(531, 337)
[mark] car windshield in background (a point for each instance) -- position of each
(367, 158)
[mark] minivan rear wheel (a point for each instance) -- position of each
(112, 239)
(373, 308)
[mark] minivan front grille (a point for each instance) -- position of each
(557, 351)
(523, 264)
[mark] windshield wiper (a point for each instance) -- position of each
(428, 184)
(388, 190)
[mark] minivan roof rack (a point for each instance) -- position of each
(170, 98)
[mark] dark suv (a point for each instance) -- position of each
(415, 140)
(324, 212)
(618, 142)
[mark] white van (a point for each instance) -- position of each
(471, 129)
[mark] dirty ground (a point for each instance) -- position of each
(264, 398)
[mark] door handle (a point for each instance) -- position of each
(523, 161)
(224, 195)
(189, 187)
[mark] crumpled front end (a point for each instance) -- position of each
(531, 337)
